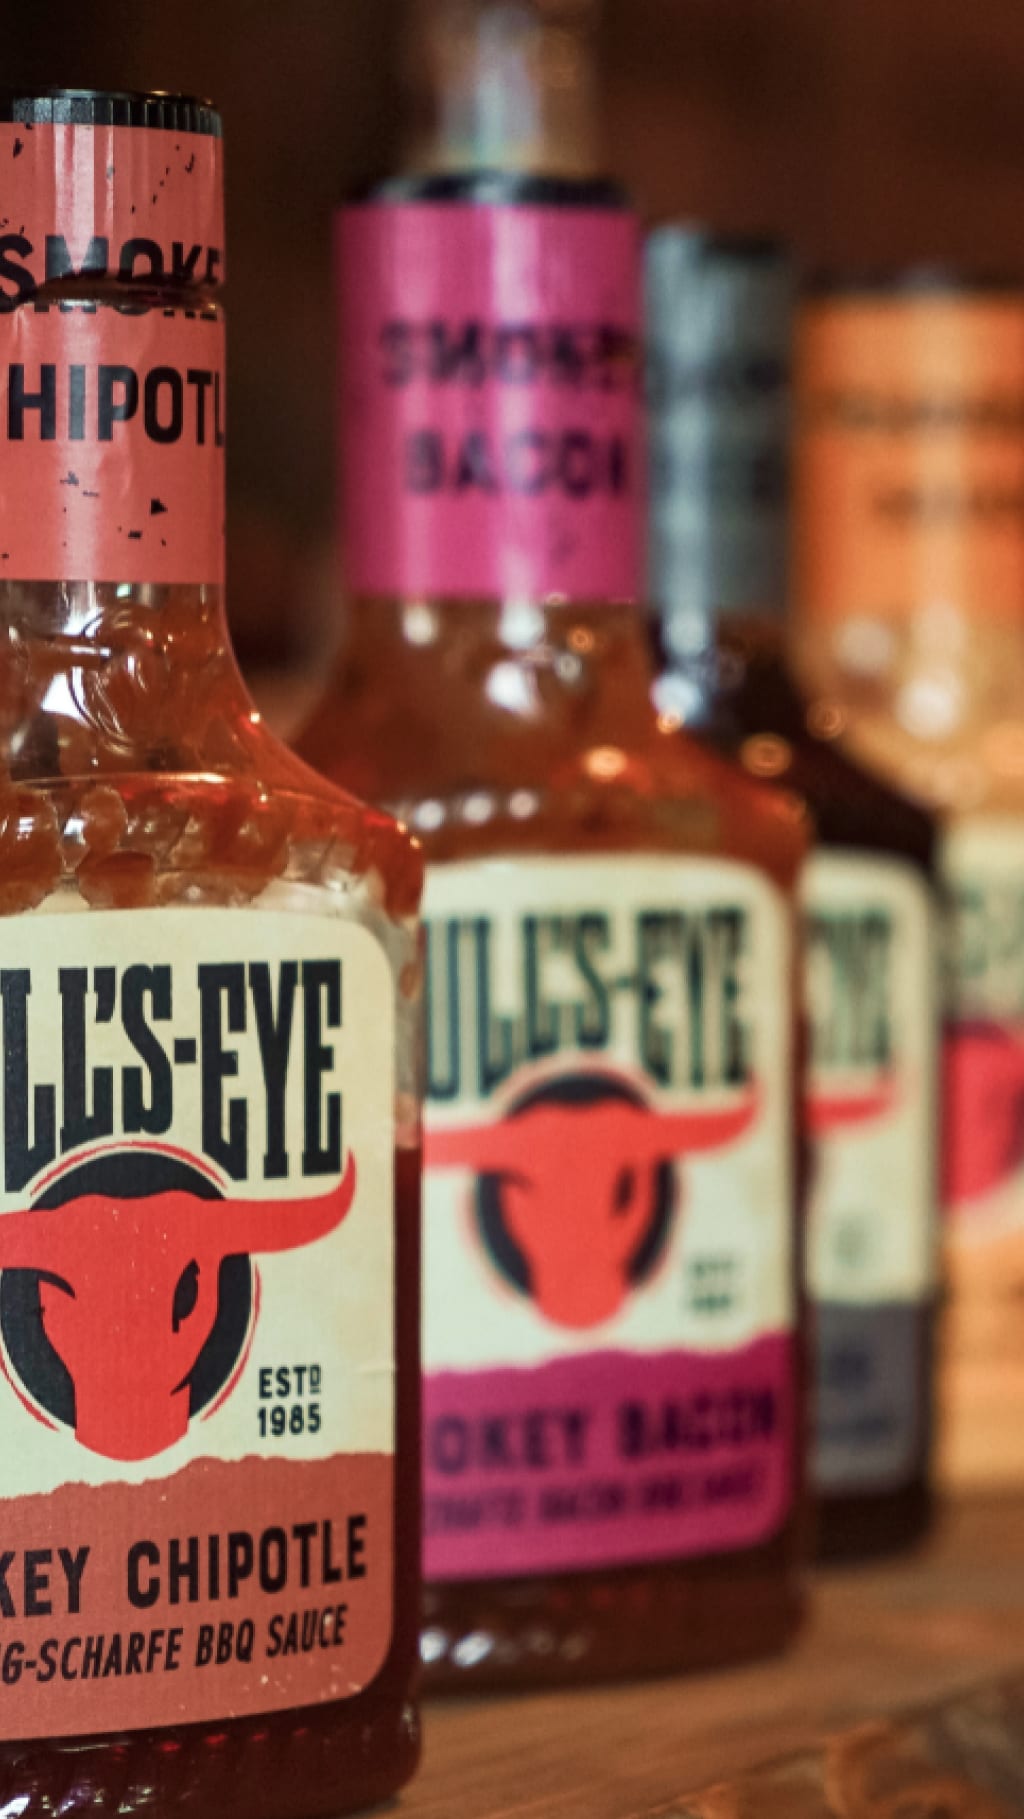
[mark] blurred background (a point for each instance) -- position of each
(864, 131)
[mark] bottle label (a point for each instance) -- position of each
(196, 1316)
(910, 474)
(112, 412)
(489, 401)
(609, 1266)
(872, 1118)
(984, 1151)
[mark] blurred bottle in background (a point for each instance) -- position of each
(612, 1416)
(720, 325)
(910, 578)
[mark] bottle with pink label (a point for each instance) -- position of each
(612, 1410)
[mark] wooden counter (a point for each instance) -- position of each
(879, 1642)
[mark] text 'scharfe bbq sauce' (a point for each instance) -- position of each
(911, 587)
(612, 1421)
(720, 322)
(208, 1280)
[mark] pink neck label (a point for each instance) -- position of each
(490, 430)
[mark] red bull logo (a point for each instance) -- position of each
(128, 1296)
(577, 1187)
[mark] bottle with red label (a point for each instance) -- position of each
(910, 582)
(720, 326)
(612, 1398)
(208, 981)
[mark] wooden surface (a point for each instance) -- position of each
(879, 1642)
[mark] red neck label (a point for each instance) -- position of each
(111, 404)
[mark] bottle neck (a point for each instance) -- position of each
(504, 85)
(110, 678)
(114, 421)
(506, 670)
(909, 558)
(735, 680)
(719, 318)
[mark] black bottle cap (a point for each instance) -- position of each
(505, 188)
(108, 107)
(908, 282)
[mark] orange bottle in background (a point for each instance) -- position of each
(910, 583)
(612, 1396)
(209, 1174)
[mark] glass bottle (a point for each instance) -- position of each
(208, 983)
(611, 1391)
(910, 587)
(720, 324)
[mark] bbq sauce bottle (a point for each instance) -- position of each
(612, 1423)
(910, 582)
(208, 974)
(720, 322)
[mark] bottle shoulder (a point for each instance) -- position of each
(116, 828)
(853, 807)
(134, 766)
(558, 786)
(978, 772)
(779, 737)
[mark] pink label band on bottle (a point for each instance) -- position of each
(490, 430)
(607, 1459)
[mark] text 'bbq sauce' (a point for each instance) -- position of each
(612, 1408)
(720, 323)
(209, 1287)
(910, 578)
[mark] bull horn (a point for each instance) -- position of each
(253, 1226)
(826, 1112)
(662, 1135)
(508, 1146)
(485, 1148)
(36, 1241)
(53, 1238)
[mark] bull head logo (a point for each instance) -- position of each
(577, 1188)
(130, 1257)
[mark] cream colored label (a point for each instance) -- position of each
(871, 987)
(196, 1313)
(984, 869)
(609, 1245)
(983, 1357)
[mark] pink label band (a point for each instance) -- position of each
(111, 445)
(612, 1458)
(490, 441)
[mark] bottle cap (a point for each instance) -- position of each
(109, 107)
